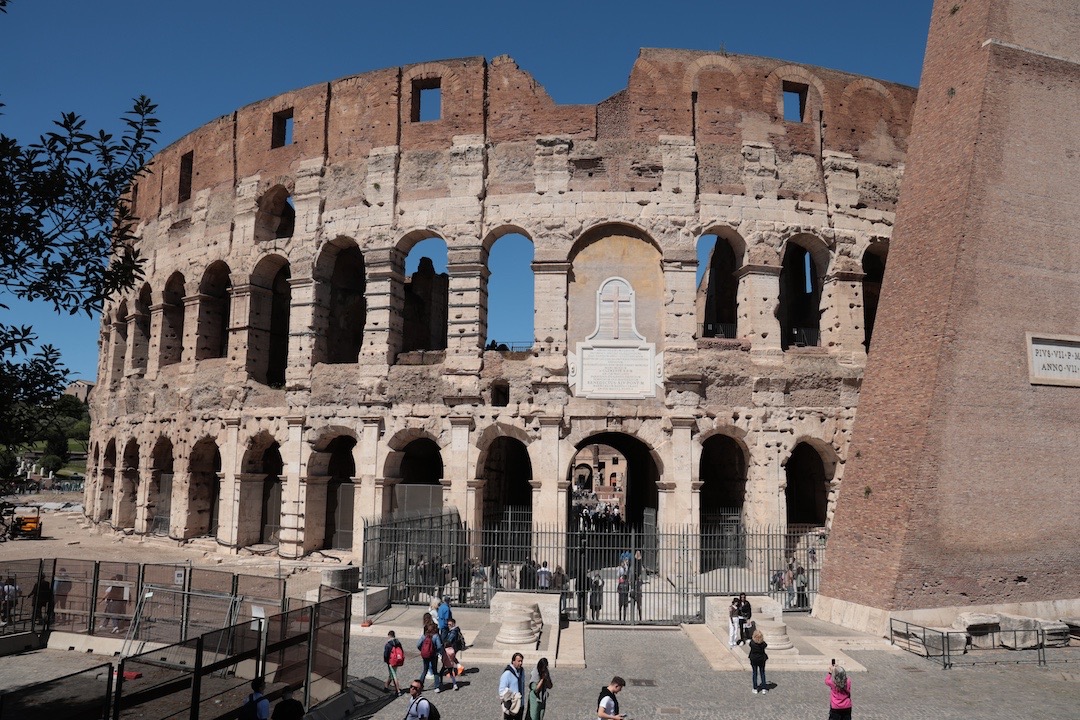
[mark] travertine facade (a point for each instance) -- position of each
(262, 386)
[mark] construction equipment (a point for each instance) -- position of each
(23, 521)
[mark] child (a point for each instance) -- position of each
(390, 657)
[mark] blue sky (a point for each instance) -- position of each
(200, 59)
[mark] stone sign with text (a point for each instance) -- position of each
(1053, 359)
(615, 361)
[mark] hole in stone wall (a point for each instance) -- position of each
(283, 129)
(426, 99)
(187, 165)
(794, 102)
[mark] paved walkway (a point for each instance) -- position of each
(673, 676)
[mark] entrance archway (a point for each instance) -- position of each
(807, 492)
(722, 496)
(108, 477)
(203, 489)
(270, 508)
(129, 487)
(421, 473)
(636, 473)
(507, 473)
(339, 494)
(159, 507)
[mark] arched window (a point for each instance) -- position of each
(140, 327)
(427, 294)
(801, 276)
(159, 509)
(339, 494)
(268, 333)
(204, 485)
(276, 217)
(717, 287)
(509, 310)
(807, 492)
(214, 308)
(873, 264)
(119, 342)
(171, 347)
(345, 305)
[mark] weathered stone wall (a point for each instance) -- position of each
(695, 145)
(963, 487)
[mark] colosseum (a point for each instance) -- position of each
(707, 250)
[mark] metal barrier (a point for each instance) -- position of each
(84, 695)
(612, 573)
(957, 647)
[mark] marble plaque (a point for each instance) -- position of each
(616, 361)
(1053, 359)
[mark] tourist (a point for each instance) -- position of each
(512, 688)
(256, 705)
(758, 656)
(839, 692)
(116, 605)
(479, 577)
(61, 590)
(745, 611)
(9, 601)
(452, 641)
(393, 659)
(430, 647)
(42, 596)
(733, 623)
(288, 708)
(443, 613)
(607, 705)
(789, 588)
(622, 589)
(596, 596)
(543, 577)
(636, 595)
(539, 684)
(419, 707)
(801, 600)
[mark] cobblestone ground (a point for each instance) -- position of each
(896, 686)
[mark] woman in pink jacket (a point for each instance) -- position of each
(839, 693)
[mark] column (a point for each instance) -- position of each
(759, 294)
(313, 489)
(385, 295)
(301, 332)
(191, 329)
(680, 321)
(456, 469)
(291, 538)
(229, 497)
(842, 330)
(467, 309)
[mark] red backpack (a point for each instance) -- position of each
(427, 648)
(397, 656)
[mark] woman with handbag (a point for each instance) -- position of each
(539, 684)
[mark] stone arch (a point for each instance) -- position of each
(276, 215)
(644, 470)
(139, 328)
(873, 267)
(119, 342)
(269, 321)
(204, 488)
(341, 302)
(128, 491)
(338, 494)
(171, 341)
(717, 298)
(507, 286)
(787, 75)
(264, 469)
(426, 296)
(106, 491)
(804, 265)
(449, 83)
(159, 494)
(215, 302)
(722, 472)
(695, 69)
(616, 250)
(505, 466)
(809, 470)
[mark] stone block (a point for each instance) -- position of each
(982, 628)
(1018, 632)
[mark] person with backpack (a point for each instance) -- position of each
(443, 612)
(607, 705)
(452, 641)
(420, 708)
(394, 657)
(430, 648)
(288, 708)
(257, 706)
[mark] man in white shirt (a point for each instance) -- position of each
(543, 577)
(512, 688)
(608, 704)
(419, 707)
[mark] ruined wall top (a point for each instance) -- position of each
(721, 102)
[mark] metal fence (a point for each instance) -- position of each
(209, 676)
(989, 647)
(618, 573)
(152, 603)
(83, 695)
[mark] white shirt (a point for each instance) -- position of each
(419, 709)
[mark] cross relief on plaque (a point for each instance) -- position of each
(615, 361)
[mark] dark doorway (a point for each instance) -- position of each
(339, 494)
(270, 520)
(347, 308)
(719, 291)
(723, 492)
(160, 495)
(203, 489)
(807, 491)
(874, 273)
(507, 475)
(420, 488)
(800, 299)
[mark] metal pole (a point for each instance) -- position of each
(185, 608)
(313, 614)
(196, 679)
(92, 619)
